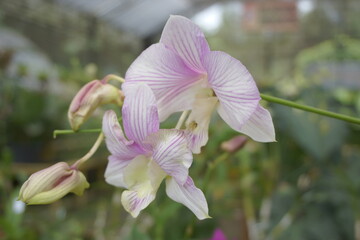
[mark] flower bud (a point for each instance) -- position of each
(234, 144)
(52, 183)
(91, 96)
(218, 235)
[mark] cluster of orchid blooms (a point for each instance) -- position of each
(180, 73)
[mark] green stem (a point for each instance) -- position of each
(310, 109)
(212, 165)
(69, 131)
(61, 132)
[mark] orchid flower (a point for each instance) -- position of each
(184, 74)
(148, 155)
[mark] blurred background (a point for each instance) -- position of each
(304, 186)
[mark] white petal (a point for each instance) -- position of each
(183, 100)
(234, 86)
(171, 152)
(197, 125)
(189, 195)
(116, 142)
(260, 126)
(186, 39)
(139, 112)
(114, 173)
(142, 177)
(172, 81)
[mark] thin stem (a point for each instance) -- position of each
(182, 119)
(91, 152)
(211, 166)
(310, 109)
(68, 131)
(109, 77)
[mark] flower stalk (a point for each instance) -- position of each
(212, 165)
(69, 131)
(90, 153)
(306, 108)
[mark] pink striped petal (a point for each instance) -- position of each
(142, 177)
(133, 202)
(189, 195)
(186, 39)
(234, 86)
(171, 152)
(116, 142)
(260, 126)
(173, 83)
(197, 124)
(140, 116)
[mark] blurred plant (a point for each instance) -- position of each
(304, 187)
(311, 62)
(11, 221)
(12, 211)
(77, 74)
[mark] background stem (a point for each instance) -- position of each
(68, 131)
(310, 109)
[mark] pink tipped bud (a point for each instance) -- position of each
(234, 144)
(91, 96)
(218, 235)
(52, 183)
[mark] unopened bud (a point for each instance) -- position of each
(234, 144)
(218, 235)
(91, 96)
(52, 183)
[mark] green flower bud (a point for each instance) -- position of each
(52, 183)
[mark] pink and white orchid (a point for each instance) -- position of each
(141, 161)
(184, 74)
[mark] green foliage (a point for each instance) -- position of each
(304, 186)
(77, 74)
(339, 49)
